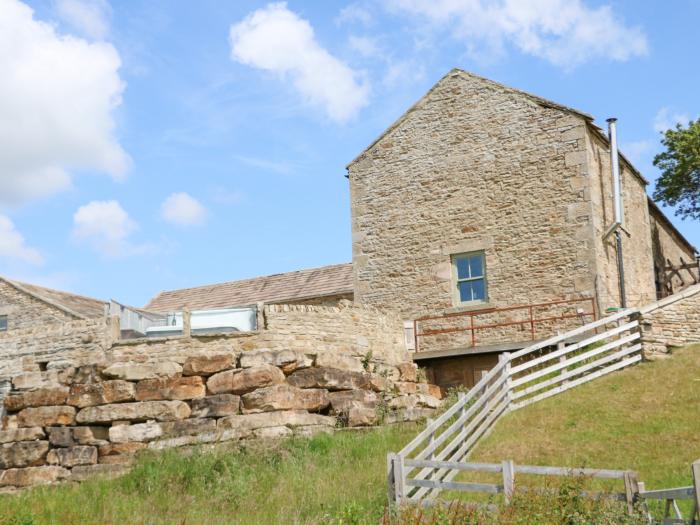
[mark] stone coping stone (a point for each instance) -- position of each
(140, 411)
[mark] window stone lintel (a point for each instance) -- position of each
(471, 245)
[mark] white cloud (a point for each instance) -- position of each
(183, 209)
(666, 119)
(107, 227)
(566, 33)
(57, 96)
(89, 17)
(13, 245)
(355, 13)
(276, 39)
(364, 45)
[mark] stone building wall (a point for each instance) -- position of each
(637, 248)
(24, 311)
(473, 166)
(668, 246)
(673, 321)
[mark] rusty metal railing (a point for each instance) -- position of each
(531, 319)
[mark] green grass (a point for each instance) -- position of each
(645, 419)
(328, 479)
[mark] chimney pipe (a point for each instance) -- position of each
(615, 165)
(617, 191)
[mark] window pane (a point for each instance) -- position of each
(476, 266)
(3, 323)
(472, 291)
(462, 267)
(478, 290)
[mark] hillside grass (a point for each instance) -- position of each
(329, 479)
(646, 418)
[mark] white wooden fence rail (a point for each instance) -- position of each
(426, 465)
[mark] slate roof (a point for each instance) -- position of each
(278, 288)
(78, 305)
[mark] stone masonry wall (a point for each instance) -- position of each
(637, 248)
(24, 311)
(80, 421)
(473, 166)
(82, 402)
(673, 321)
(668, 247)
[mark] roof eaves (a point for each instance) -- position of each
(46, 300)
(604, 138)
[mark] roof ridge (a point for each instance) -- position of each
(299, 280)
(251, 278)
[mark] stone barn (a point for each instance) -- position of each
(483, 216)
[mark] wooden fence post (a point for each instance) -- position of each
(390, 478)
(508, 480)
(695, 467)
(505, 358)
(631, 490)
(396, 478)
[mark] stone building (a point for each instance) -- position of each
(482, 198)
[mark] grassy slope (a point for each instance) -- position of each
(324, 480)
(646, 418)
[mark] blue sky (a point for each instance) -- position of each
(150, 145)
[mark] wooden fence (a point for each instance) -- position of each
(671, 498)
(425, 466)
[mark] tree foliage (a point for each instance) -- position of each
(679, 184)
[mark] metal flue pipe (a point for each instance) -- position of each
(617, 194)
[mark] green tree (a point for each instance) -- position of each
(679, 184)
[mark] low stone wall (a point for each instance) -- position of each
(70, 423)
(673, 321)
(50, 345)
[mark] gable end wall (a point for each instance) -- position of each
(25, 311)
(473, 166)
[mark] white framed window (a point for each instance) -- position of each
(3, 323)
(469, 277)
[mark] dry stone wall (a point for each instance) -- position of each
(673, 321)
(83, 402)
(74, 422)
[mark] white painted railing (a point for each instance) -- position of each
(422, 468)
